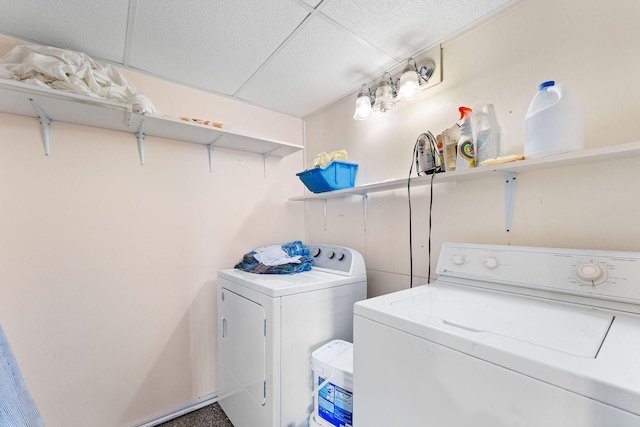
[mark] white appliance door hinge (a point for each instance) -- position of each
(265, 389)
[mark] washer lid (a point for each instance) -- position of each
(277, 285)
(572, 330)
(583, 349)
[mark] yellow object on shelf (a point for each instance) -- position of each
(322, 159)
(503, 159)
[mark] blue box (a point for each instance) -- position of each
(336, 175)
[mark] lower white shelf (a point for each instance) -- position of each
(508, 170)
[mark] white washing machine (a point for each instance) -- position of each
(506, 336)
(268, 326)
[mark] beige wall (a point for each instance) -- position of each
(108, 268)
(587, 45)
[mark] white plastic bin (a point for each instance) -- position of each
(332, 366)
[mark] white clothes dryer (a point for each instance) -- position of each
(506, 336)
(268, 326)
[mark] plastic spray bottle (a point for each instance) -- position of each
(487, 134)
(465, 158)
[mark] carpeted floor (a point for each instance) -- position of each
(209, 416)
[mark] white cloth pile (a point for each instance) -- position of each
(71, 71)
(274, 255)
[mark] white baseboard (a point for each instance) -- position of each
(181, 410)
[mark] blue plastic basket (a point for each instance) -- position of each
(335, 176)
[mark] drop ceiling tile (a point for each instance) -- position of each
(402, 29)
(212, 45)
(322, 63)
(95, 28)
(313, 3)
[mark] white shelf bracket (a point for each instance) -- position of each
(140, 138)
(210, 151)
(45, 125)
(264, 159)
(510, 183)
(324, 213)
(365, 203)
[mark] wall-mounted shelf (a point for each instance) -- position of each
(508, 170)
(52, 105)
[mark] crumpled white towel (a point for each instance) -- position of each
(71, 71)
(274, 255)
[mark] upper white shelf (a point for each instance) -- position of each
(19, 98)
(567, 159)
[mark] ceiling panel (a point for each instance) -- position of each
(321, 63)
(313, 3)
(214, 46)
(403, 28)
(98, 29)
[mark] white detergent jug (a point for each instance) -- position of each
(554, 122)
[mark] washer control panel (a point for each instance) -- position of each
(599, 274)
(331, 258)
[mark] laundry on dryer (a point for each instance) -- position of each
(289, 258)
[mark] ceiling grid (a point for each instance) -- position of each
(290, 56)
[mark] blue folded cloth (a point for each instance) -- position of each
(17, 408)
(292, 249)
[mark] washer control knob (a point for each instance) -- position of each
(590, 273)
(315, 252)
(331, 254)
(491, 263)
(458, 259)
(340, 256)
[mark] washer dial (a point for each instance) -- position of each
(590, 273)
(491, 262)
(458, 259)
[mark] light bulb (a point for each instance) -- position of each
(363, 108)
(408, 85)
(409, 81)
(384, 96)
(363, 104)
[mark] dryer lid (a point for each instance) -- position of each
(572, 330)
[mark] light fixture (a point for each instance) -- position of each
(364, 103)
(411, 80)
(385, 94)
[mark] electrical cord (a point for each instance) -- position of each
(432, 141)
(413, 157)
(429, 248)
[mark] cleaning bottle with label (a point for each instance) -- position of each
(487, 135)
(449, 140)
(465, 150)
